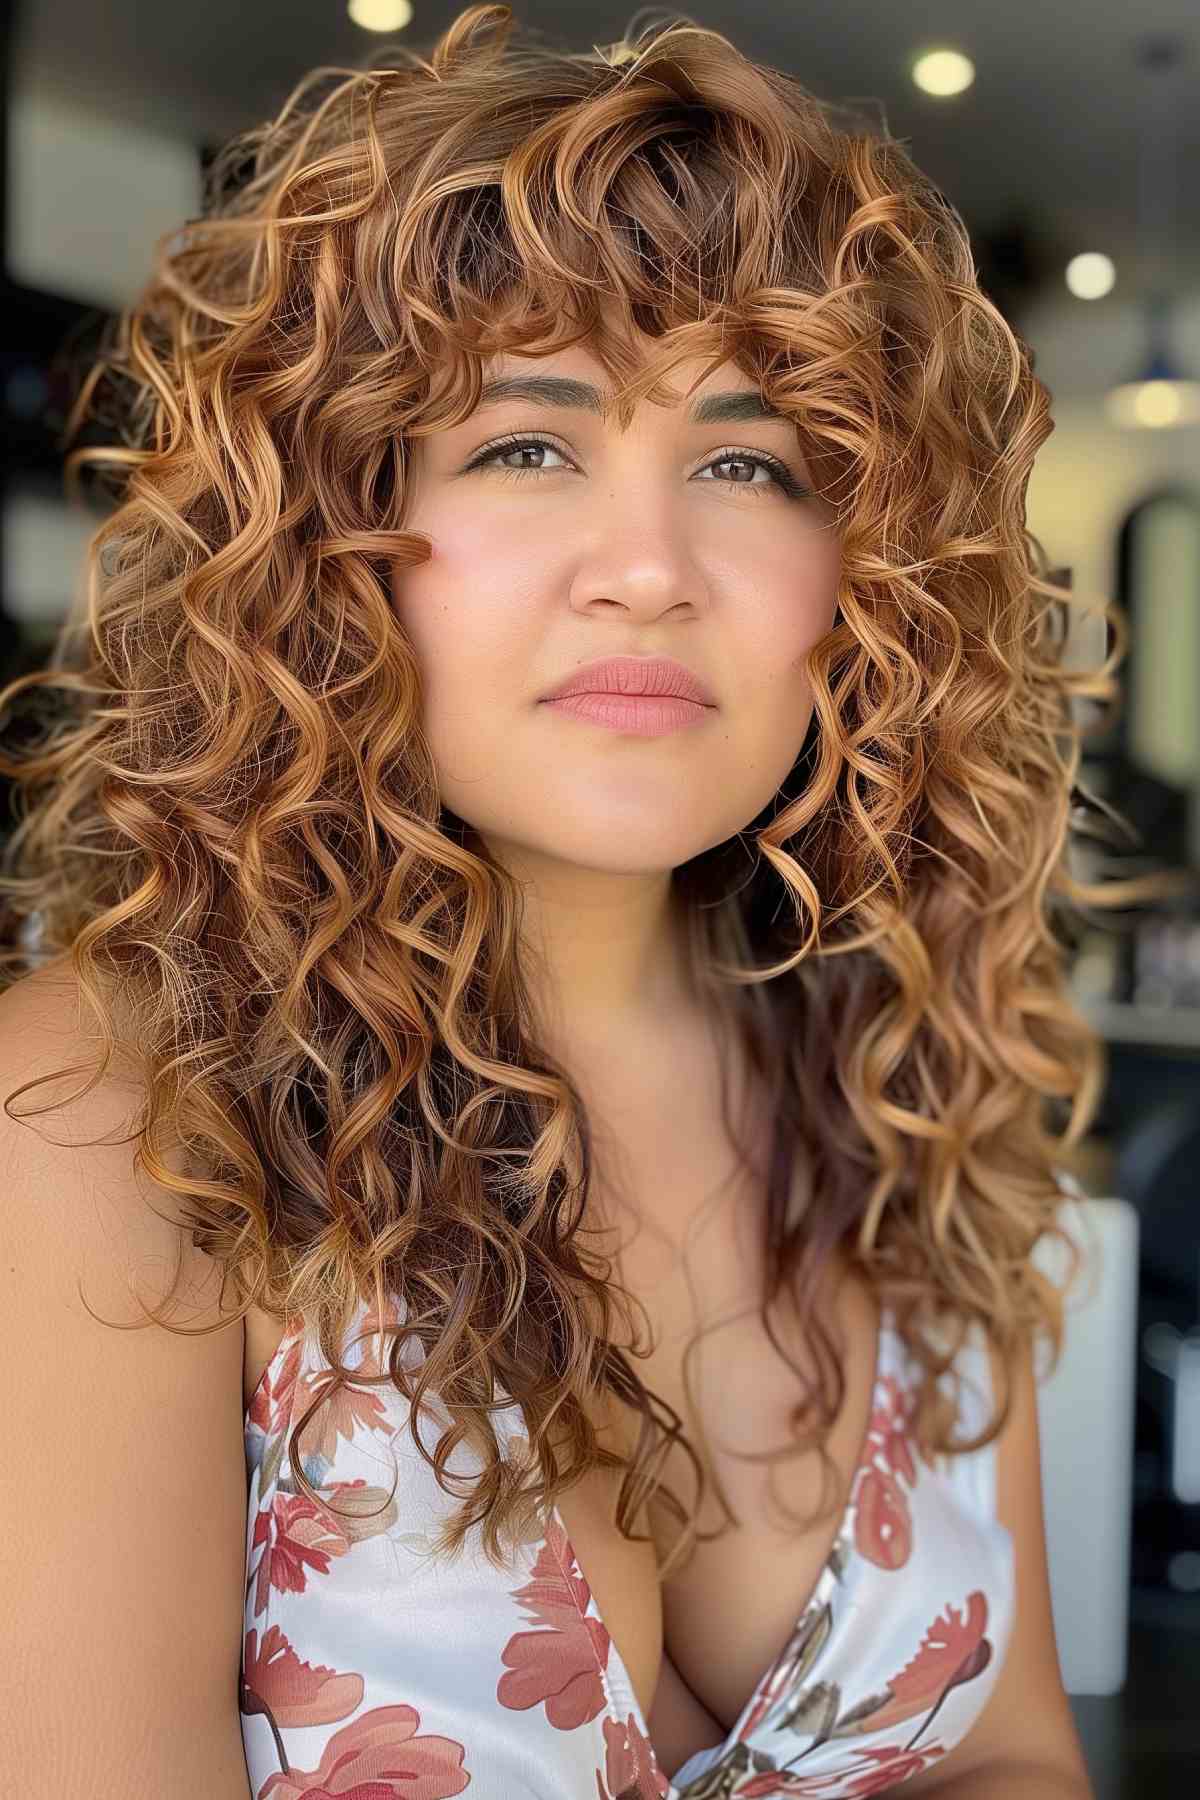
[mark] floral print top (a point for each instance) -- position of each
(372, 1672)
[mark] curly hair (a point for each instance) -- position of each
(234, 828)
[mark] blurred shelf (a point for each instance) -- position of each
(1168, 1028)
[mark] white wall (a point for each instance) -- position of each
(88, 195)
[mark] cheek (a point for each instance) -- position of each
(468, 610)
(479, 650)
(799, 615)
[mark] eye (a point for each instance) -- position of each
(491, 453)
(780, 475)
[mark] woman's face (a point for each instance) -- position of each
(658, 542)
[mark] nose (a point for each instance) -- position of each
(642, 559)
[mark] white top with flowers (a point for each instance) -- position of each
(370, 1670)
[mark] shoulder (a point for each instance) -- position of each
(69, 1156)
(50, 999)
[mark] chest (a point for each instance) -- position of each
(697, 1644)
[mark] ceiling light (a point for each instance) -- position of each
(1161, 395)
(943, 73)
(1091, 275)
(380, 15)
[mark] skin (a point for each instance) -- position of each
(612, 543)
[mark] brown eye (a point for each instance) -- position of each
(781, 477)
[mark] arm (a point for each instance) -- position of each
(1011, 1780)
(124, 1536)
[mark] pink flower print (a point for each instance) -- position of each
(892, 1765)
(953, 1650)
(882, 1520)
(559, 1666)
(877, 1770)
(299, 1536)
(630, 1769)
(275, 1681)
(889, 1428)
(341, 1414)
(271, 1404)
(379, 1756)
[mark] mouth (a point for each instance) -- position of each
(635, 677)
(637, 715)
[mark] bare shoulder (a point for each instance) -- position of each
(46, 1025)
(47, 1012)
(84, 1220)
(77, 1149)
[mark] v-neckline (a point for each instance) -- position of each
(817, 1597)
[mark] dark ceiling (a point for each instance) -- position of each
(1040, 155)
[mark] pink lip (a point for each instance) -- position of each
(657, 677)
(644, 715)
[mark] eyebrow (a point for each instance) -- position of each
(734, 406)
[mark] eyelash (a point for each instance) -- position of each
(781, 475)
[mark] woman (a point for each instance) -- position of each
(581, 752)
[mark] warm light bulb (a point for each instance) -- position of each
(943, 73)
(1157, 403)
(380, 15)
(1090, 275)
(1154, 405)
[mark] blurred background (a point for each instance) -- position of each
(1068, 137)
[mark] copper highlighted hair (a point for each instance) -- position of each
(231, 819)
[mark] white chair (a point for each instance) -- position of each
(1086, 1425)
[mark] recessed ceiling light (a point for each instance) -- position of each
(943, 72)
(380, 15)
(1090, 275)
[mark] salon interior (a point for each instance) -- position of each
(1067, 137)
